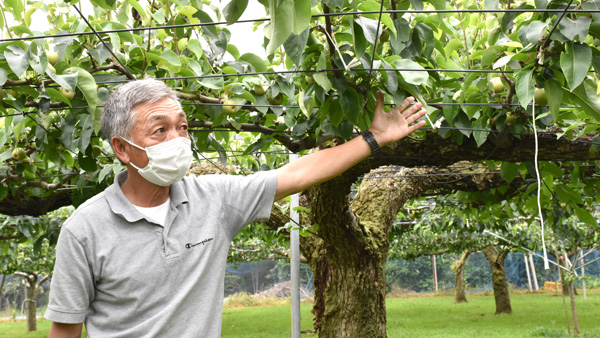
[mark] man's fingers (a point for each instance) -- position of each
(404, 104)
(416, 126)
(412, 109)
(380, 101)
(415, 116)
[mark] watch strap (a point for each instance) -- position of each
(368, 136)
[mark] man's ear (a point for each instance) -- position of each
(120, 147)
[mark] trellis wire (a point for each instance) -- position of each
(370, 70)
(219, 23)
(103, 43)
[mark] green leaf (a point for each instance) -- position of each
(195, 47)
(321, 77)
(159, 16)
(87, 163)
(336, 115)
(369, 28)
(412, 77)
(138, 8)
(87, 129)
(350, 104)
(554, 93)
(68, 81)
(3, 76)
(585, 95)
(106, 4)
(302, 16)
(572, 28)
(490, 55)
(534, 30)
(358, 37)
(525, 86)
(57, 96)
(508, 171)
(18, 8)
(256, 146)
(294, 46)
(575, 63)
(491, 4)
(234, 10)
(171, 61)
(585, 216)
(257, 62)
(282, 20)
(567, 195)
(87, 85)
(18, 59)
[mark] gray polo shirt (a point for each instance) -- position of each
(125, 276)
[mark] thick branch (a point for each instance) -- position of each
(307, 142)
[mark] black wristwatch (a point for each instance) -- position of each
(375, 150)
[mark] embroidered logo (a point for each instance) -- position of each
(202, 242)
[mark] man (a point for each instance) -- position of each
(146, 257)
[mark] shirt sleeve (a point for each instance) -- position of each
(71, 286)
(249, 198)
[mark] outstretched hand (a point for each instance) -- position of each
(396, 123)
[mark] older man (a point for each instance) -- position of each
(146, 257)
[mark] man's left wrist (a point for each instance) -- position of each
(372, 142)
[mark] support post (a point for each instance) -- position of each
(533, 273)
(581, 262)
(435, 280)
(295, 264)
(527, 271)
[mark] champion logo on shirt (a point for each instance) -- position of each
(202, 242)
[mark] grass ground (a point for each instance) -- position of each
(534, 315)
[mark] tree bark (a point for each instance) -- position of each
(499, 281)
(32, 284)
(459, 271)
(348, 253)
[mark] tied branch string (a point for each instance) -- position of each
(316, 16)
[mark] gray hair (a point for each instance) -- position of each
(118, 116)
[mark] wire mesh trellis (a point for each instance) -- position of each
(370, 70)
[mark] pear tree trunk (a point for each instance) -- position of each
(348, 250)
(459, 271)
(499, 281)
(32, 285)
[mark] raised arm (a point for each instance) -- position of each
(319, 167)
(60, 330)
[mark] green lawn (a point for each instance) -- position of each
(534, 315)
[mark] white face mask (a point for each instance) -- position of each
(168, 161)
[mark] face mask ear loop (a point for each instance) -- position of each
(135, 145)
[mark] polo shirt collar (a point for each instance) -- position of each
(120, 205)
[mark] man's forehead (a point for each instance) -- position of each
(160, 116)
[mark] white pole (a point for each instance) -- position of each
(527, 271)
(435, 281)
(533, 274)
(295, 264)
(581, 262)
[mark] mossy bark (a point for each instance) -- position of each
(499, 281)
(459, 271)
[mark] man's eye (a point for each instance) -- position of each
(159, 131)
(184, 127)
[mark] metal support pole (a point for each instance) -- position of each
(582, 275)
(527, 271)
(533, 273)
(295, 264)
(435, 280)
